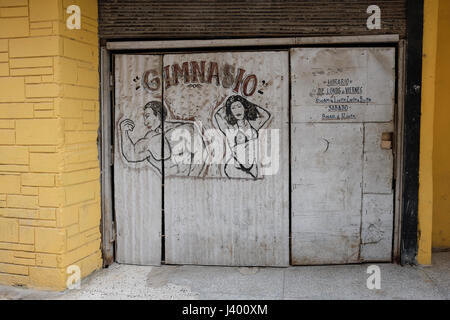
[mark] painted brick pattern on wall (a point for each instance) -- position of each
(49, 168)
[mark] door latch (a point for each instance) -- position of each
(386, 140)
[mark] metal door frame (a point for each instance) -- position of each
(105, 139)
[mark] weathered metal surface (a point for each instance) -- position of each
(378, 162)
(247, 42)
(343, 85)
(226, 210)
(326, 192)
(137, 182)
(106, 161)
(376, 228)
(188, 19)
(342, 105)
(398, 148)
(228, 213)
(378, 197)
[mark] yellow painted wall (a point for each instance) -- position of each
(49, 168)
(441, 155)
(431, 10)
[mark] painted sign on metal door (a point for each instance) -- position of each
(238, 213)
(208, 133)
(342, 163)
(137, 161)
(215, 129)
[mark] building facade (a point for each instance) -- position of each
(109, 131)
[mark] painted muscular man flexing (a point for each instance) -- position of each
(155, 150)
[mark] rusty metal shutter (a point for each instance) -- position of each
(182, 19)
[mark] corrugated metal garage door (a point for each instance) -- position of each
(220, 207)
(211, 138)
(137, 177)
(235, 214)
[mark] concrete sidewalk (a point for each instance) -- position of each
(200, 282)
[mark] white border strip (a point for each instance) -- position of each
(254, 42)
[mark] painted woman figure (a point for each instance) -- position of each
(240, 120)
